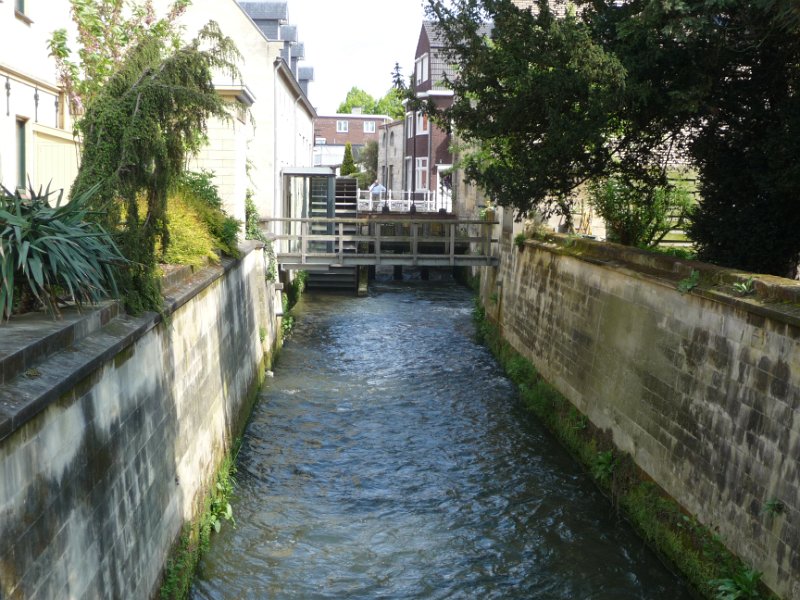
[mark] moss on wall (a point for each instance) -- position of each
(677, 537)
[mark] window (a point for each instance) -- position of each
(369, 126)
(422, 123)
(422, 174)
(20, 5)
(342, 127)
(421, 68)
(22, 167)
(390, 181)
(409, 125)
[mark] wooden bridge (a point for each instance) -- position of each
(319, 244)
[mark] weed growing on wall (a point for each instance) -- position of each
(252, 231)
(196, 536)
(694, 550)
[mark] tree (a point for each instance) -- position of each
(348, 164)
(357, 98)
(637, 214)
(390, 104)
(533, 100)
(550, 103)
(137, 132)
(368, 159)
(107, 31)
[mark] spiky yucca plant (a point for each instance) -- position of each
(53, 248)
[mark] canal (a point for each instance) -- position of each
(389, 458)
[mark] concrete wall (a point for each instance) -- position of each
(702, 389)
(96, 485)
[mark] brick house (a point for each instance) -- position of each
(332, 132)
(427, 155)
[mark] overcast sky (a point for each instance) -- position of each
(355, 43)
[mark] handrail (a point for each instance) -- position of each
(377, 220)
(375, 241)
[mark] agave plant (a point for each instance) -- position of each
(52, 248)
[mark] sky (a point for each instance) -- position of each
(355, 43)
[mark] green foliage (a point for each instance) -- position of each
(519, 240)
(203, 197)
(390, 104)
(549, 88)
(348, 164)
(773, 507)
(195, 538)
(107, 30)
(742, 585)
(48, 249)
(744, 288)
(617, 92)
(369, 163)
(149, 115)
(677, 252)
(637, 214)
(603, 466)
(357, 98)
(190, 242)
(252, 231)
(690, 282)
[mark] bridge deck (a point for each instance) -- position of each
(318, 244)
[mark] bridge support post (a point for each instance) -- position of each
(398, 273)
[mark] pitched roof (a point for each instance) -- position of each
(437, 39)
(270, 11)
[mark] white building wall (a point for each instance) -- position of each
(26, 71)
(280, 133)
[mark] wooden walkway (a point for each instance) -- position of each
(319, 244)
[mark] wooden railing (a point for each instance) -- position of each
(321, 243)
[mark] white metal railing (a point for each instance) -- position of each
(426, 201)
(427, 241)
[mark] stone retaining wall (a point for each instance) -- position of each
(701, 388)
(96, 480)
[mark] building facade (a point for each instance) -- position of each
(427, 156)
(332, 132)
(36, 142)
(391, 157)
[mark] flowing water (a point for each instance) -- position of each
(388, 458)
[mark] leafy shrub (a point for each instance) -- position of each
(202, 196)
(190, 242)
(743, 585)
(637, 214)
(48, 249)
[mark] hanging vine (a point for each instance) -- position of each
(137, 132)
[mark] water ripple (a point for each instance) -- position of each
(389, 459)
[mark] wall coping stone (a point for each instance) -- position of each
(774, 297)
(50, 366)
